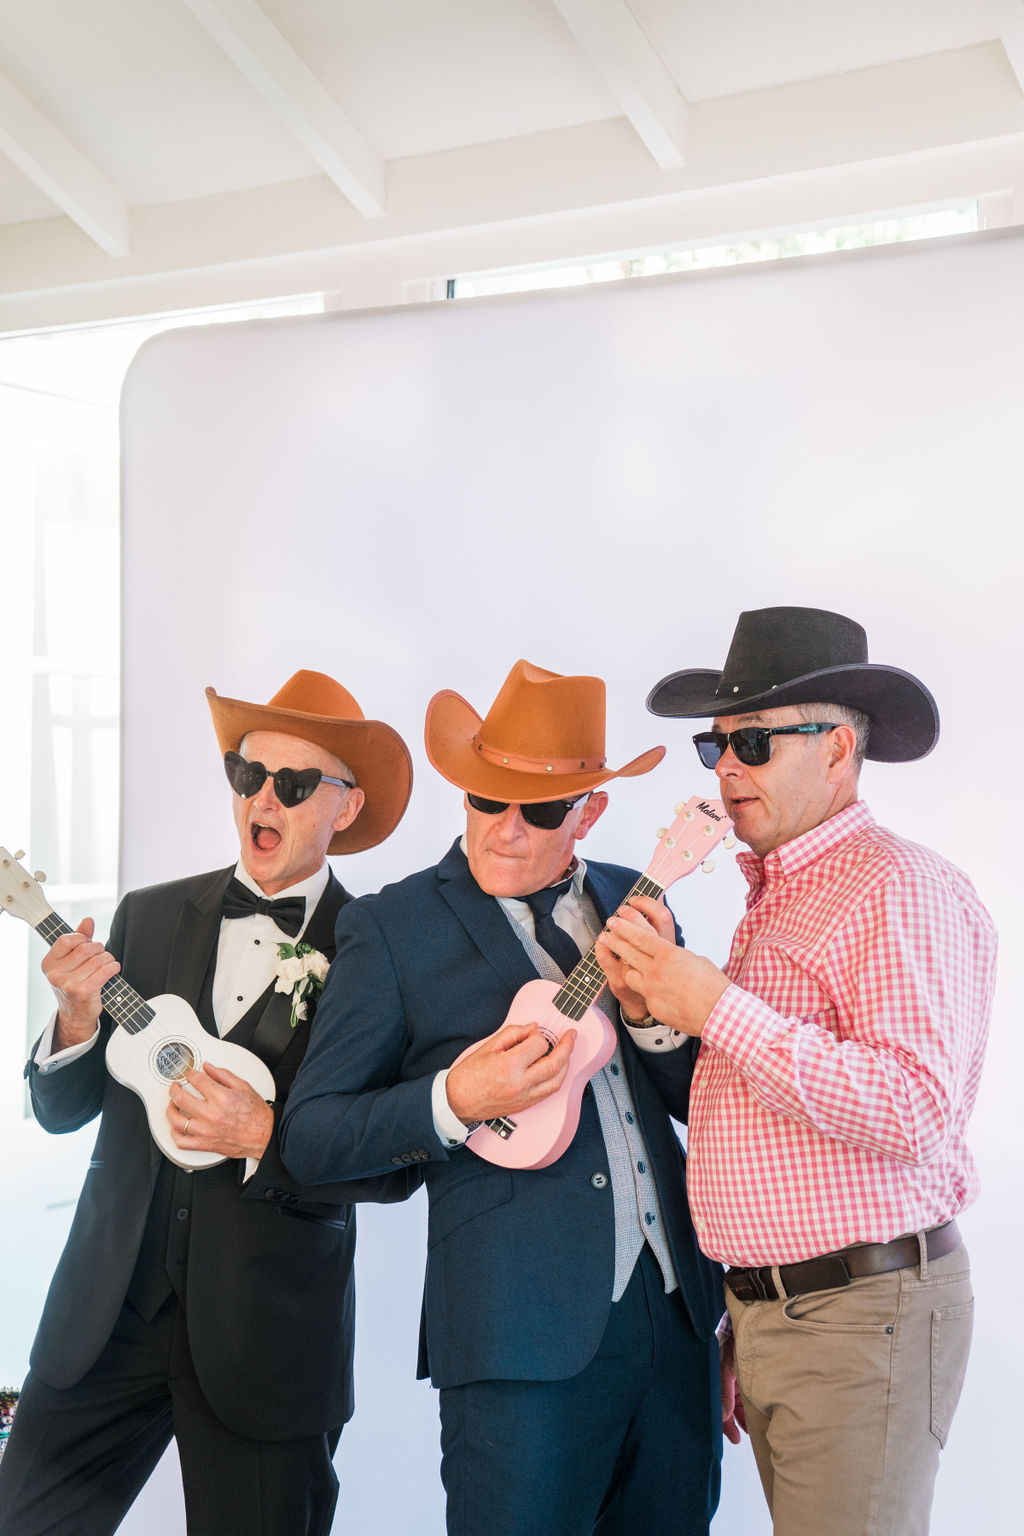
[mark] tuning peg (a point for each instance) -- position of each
(662, 832)
(708, 866)
(20, 853)
(679, 807)
(39, 875)
(728, 841)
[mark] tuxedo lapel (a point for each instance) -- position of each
(273, 1032)
(484, 920)
(194, 942)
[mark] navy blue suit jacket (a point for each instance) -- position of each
(520, 1263)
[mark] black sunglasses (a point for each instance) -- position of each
(547, 814)
(291, 785)
(752, 744)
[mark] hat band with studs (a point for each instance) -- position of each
(538, 764)
(747, 689)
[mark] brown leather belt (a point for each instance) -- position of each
(833, 1270)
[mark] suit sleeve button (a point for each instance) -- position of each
(599, 1180)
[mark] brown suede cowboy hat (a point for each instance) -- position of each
(317, 709)
(807, 656)
(542, 739)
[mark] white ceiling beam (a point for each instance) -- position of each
(287, 84)
(634, 71)
(1009, 18)
(835, 148)
(43, 153)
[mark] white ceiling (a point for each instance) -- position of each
(148, 141)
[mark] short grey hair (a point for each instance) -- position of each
(840, 714)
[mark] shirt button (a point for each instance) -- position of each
(641, 1167)
(629, 1118)
(182, 1215)
(614, 1070)
(239, 998)
(256, 941)
(649, 1218)
(599, 1180)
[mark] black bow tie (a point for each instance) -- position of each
(289, 913)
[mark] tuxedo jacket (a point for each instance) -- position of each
(266, 1263)
(520, 1262)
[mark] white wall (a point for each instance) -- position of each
(597, 481)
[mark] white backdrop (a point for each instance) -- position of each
(598, 481)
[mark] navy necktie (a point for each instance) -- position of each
(563, 950)
(289, 913)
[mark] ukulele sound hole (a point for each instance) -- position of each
(173, 1059)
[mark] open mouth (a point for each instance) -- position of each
(266, 839)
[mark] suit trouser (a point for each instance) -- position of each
(78, 1457)
(629, 1447)
(850, 1393)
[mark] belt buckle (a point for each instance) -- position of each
(751, 1285)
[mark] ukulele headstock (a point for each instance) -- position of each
(699, 827)
(19, 891)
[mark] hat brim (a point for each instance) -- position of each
(376, 754)
(904, 716)
(448, 733)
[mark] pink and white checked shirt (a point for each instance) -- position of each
(832, 1093)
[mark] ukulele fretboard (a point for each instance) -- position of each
(125, 1006)
(587, 979)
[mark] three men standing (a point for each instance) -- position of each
(569, 1314)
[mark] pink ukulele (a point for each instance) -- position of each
(537, 1136)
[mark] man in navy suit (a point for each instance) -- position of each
(568, 1314)
(215, 1306)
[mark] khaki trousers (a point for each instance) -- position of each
(850, 1393)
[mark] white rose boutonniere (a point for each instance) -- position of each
(301, 970)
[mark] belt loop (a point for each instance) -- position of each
(922, 1248)
(783, 1294)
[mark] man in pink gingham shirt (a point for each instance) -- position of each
(842, 1050)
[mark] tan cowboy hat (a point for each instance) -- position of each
(315, 708)
(542, 739)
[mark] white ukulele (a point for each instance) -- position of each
(537, 1136)
(156, 1042)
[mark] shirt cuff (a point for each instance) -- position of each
(738, 1025)
(654, 1038)
(49, 1060)
(447, 1124)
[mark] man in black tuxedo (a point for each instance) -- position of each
(214, 1305)
(569, 1317)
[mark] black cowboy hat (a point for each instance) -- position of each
(782, 656)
